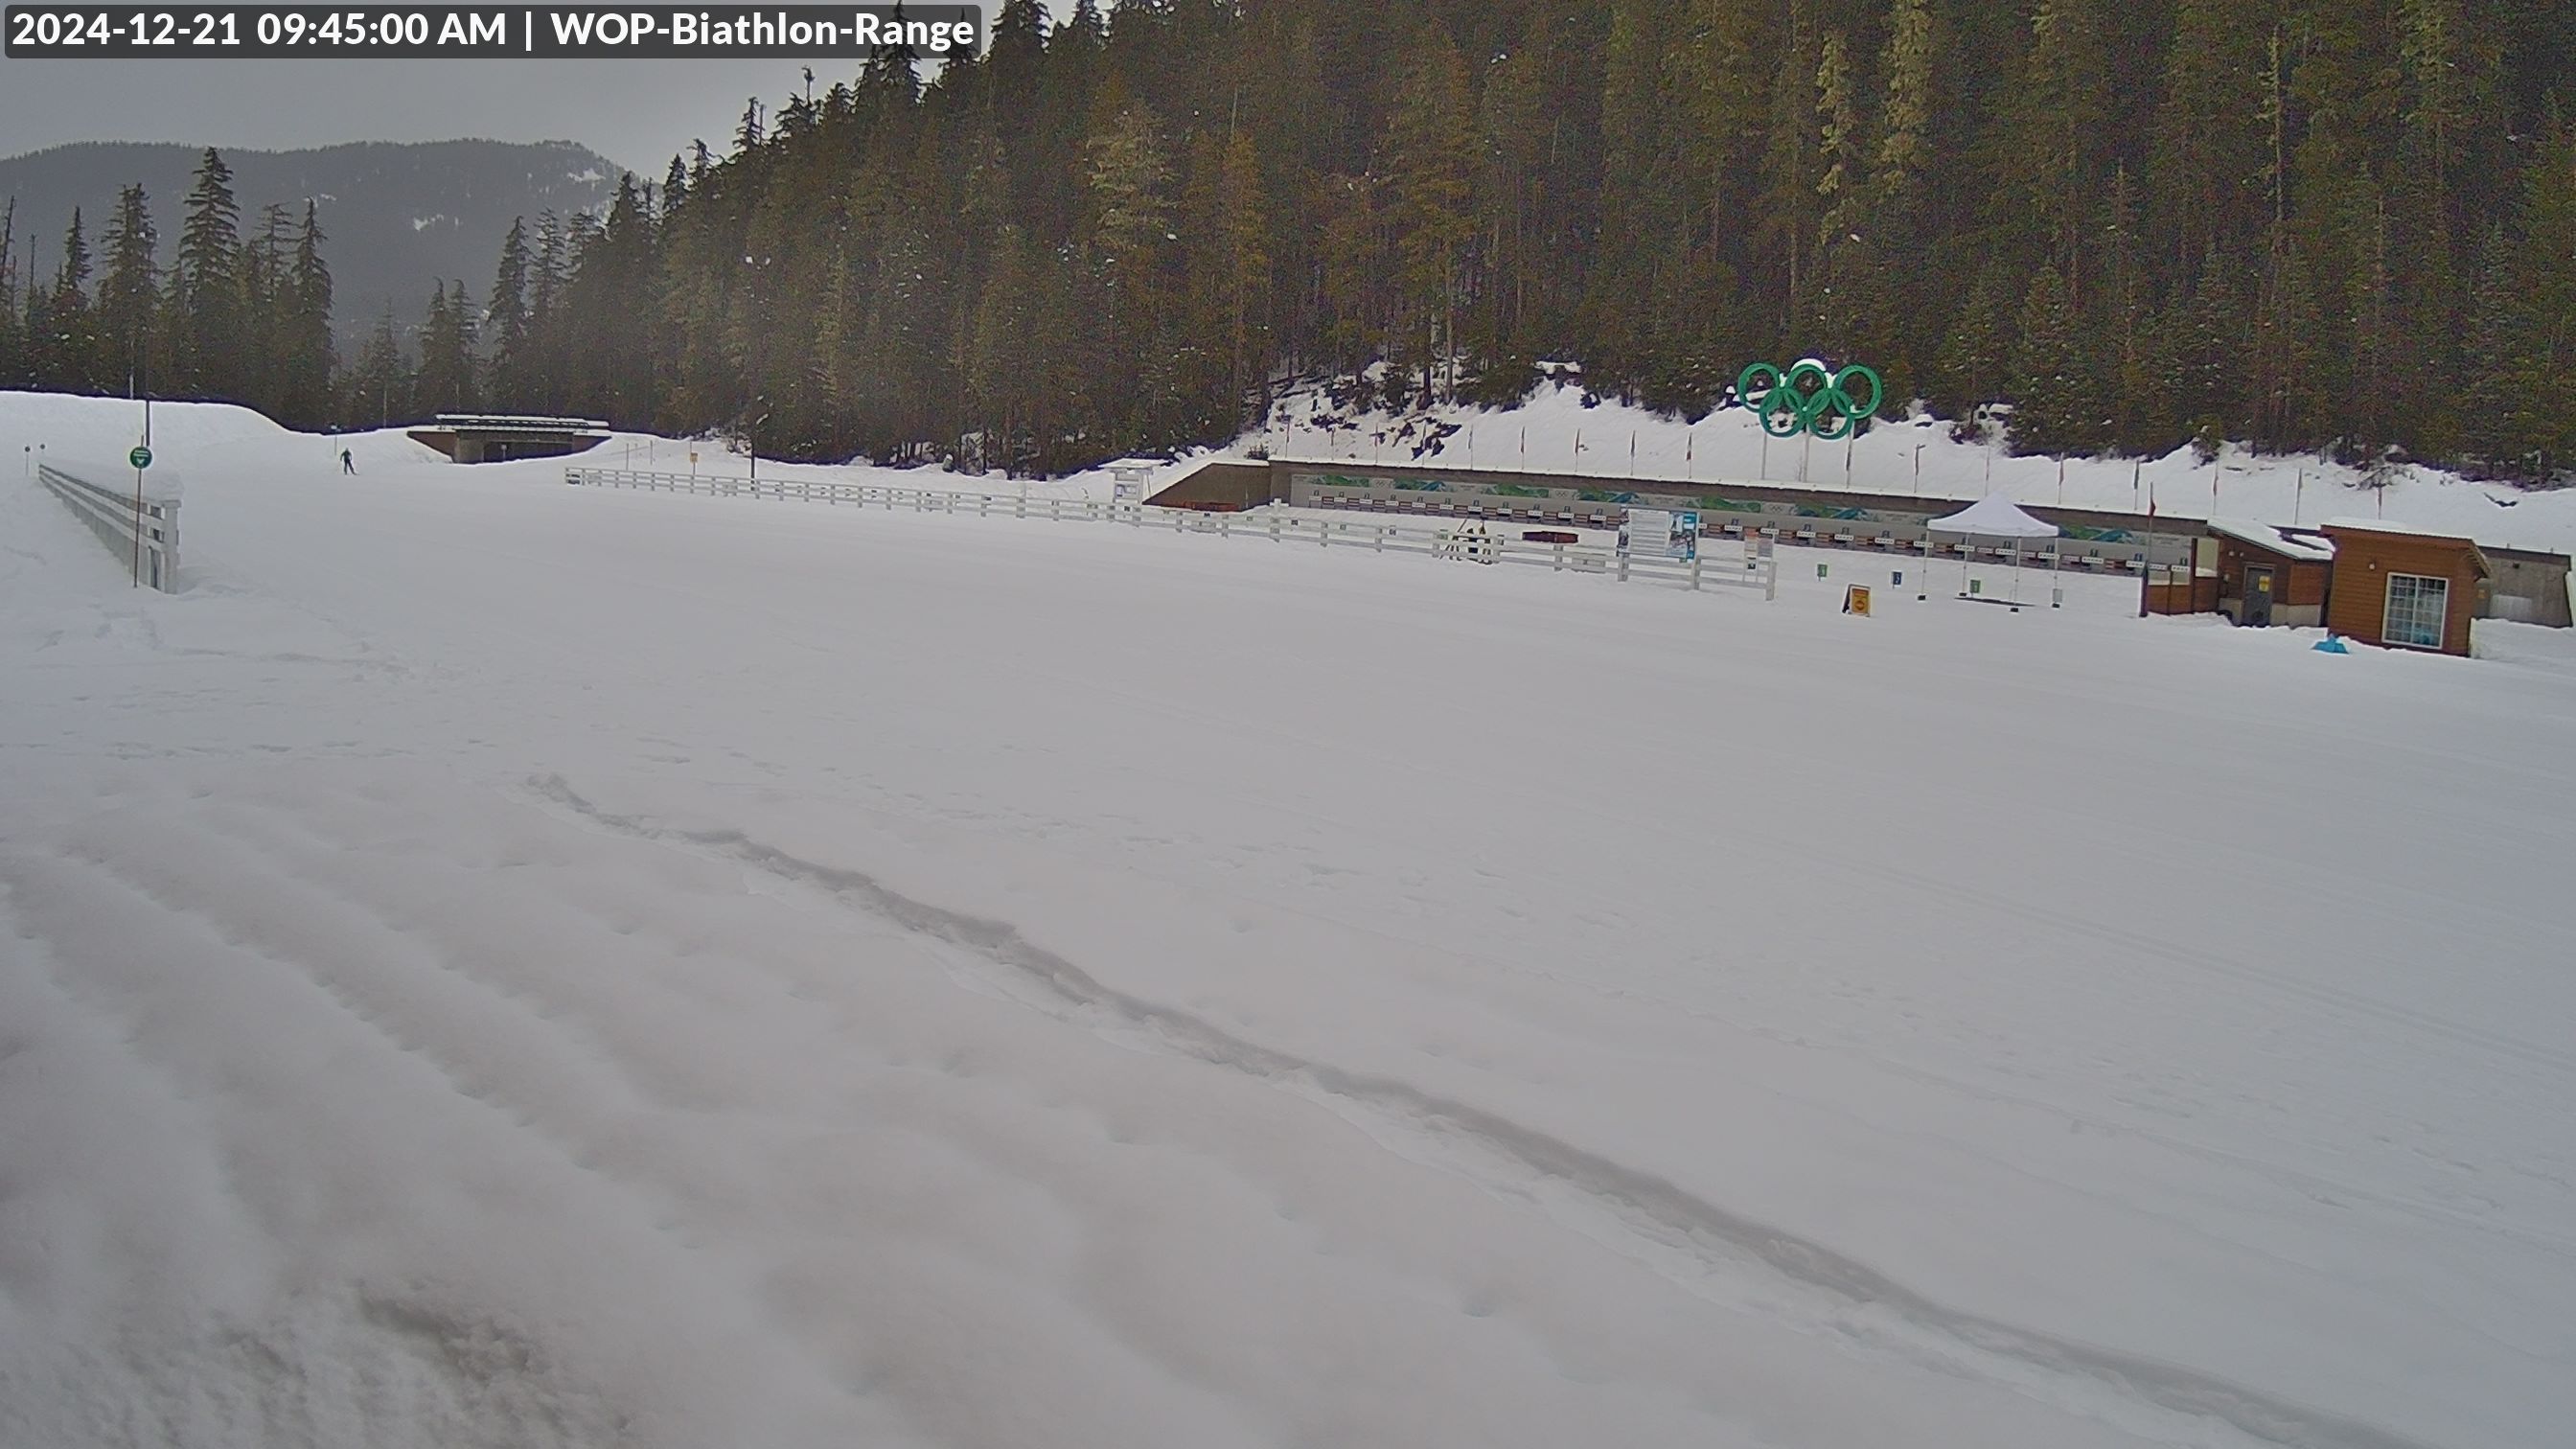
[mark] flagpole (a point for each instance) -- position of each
(2148, 573)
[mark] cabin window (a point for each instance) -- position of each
(2416, 609)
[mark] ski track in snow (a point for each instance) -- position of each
(1514, 1160)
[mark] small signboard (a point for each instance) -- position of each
(1856, 599)
(141, 458)
(1128, 477)
(1658, 533)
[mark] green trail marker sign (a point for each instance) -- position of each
(141, 458)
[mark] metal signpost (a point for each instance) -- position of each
(141, 458)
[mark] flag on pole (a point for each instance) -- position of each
(2147, 569)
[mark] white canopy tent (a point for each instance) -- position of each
(1993, 516)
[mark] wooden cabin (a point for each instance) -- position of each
(2403, 587)
(2268, 575)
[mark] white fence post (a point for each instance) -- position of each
(1466, 540)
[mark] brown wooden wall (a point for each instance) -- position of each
(2358, 607)
(2301, 581)
(2199, 596)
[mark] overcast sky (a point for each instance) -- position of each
(635, 112)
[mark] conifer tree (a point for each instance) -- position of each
(2056, 396)
(1974, 359)
(445, 382)
(542, 377)
(309, 356)
(507, 319)
(129, 294)
(2206, 345)
(2536, 351)
(380, 384)
(13, 344)
(1786, 207)
(1429, 188)
(2053, 132)
(267, 308)
(2209, 141)
(1126, 175)
(1243, 258)
(205, 297)
(72, 340)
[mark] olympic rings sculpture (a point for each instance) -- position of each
(1807, 398)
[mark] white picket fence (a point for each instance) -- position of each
(144, 534)
(1466, 541)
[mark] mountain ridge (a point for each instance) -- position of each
(399, 216)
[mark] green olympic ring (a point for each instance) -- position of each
(1807, 398)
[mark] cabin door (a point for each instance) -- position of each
(2258, 595)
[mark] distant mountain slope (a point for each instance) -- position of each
(399, 216)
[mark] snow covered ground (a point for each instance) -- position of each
(500, 963)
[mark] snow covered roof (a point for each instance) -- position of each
(2273, 540)
(2402, 530)
(1993, 516)
(2410, 530)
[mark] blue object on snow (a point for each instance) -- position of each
(2331, 645)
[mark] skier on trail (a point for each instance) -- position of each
(347, 465)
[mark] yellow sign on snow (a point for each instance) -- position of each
(1856, 599)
